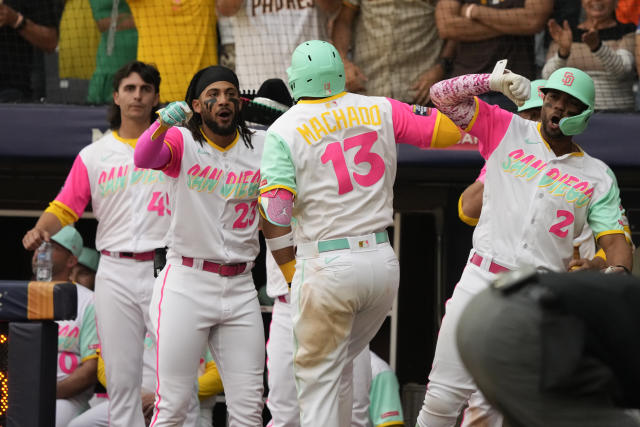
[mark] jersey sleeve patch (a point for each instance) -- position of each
(421, 110)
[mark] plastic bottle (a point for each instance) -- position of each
(44, 263)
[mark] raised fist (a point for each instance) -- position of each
(175, 114)
(514, 86)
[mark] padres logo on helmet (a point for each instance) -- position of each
(568, 78)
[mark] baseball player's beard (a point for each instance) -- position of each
(221, 130)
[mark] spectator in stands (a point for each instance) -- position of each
(109, 58)
(487, 33)
(77, 339)
(395, 48)
(628, 11)
(78, 41)
(84, 272)
(600, 46)
(266, 35)
(24, 25)
(227, 52)
(179, 37)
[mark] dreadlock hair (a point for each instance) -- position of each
(195, 123)
(148, 72)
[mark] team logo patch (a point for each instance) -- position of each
(568, 78)
(390, 414)
(421, 110)
(540, 94)
(363, 243)
(263, 183)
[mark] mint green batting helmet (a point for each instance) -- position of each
(316, 70)
(535, 100)
(578, 84)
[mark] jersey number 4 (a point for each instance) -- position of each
(334, 153)
(158, 204)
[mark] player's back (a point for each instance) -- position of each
(344, 153)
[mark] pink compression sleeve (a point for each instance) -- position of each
(151, 153)
(454, 97)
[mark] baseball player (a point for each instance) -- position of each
(209, 384)
(205, 294)
(132, 209)
(334, 154)
(470, 202)
(540, 190)
(84, 272)
(386, 407)
(282, 400)
(77, 339)
(265, 34)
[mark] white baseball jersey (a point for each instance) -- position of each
(223, 225)
(77, 339)
(535, 203)
(338, 156)
(130, 204)
(267, 32)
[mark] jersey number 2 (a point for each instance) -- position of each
(559, 228)
(334, 153)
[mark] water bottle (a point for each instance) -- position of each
(44, 263)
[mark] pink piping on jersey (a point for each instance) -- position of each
(454, 97)
(76, 192)
(411, 128)
(164, 281)
(151, 153)
(483, 174)
(265, 347)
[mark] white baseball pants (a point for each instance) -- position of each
(341, 298)
(68, 409)
(450, 385)
(283, 400)
(190, 308)
(122, 295)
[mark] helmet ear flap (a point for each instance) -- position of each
(575, 125)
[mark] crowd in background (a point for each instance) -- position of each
(390, 48)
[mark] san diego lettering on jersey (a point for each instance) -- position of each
(527, 166)
(243, 185)
(115, 179)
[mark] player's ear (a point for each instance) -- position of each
(156, 100)
(196, 106)
(116, 98)
(72, 261)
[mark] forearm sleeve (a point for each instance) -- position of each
(152, 153)
(454, 97)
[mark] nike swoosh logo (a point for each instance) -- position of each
(328, 260)
(527, 141)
